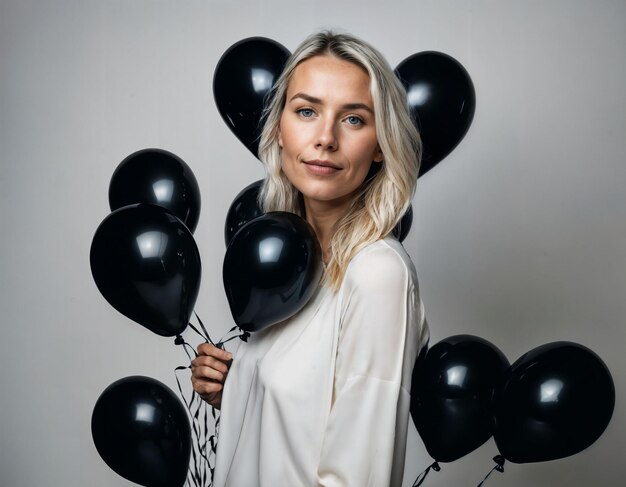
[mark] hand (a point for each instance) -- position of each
(209, 371)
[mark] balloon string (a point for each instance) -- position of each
(220, 344)
(499, 459)
(181, 341)
(200, 434)
(194, 474)
(204, 450)
(208, 338)
(243, 336)
(418, 481)
(198, 474)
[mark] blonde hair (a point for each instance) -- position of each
(387, 191)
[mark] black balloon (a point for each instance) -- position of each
(402, 228)
(555, 401)
(452, 395)
(141, 431)
(243, 209)
(242, 81)
(271, 269)
(442, 99)
(146, 264)
(158, 177)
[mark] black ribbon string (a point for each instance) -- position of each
(204, 447)
(206, 333)
(197, 475)
(499, 466)
(421, 477)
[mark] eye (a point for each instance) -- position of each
(305, 112)
(354, 120)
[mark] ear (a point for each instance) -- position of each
(280, 138)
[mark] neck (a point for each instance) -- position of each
(322, 216)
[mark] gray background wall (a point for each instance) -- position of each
(519, 235)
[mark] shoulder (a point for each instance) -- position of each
(381, 264)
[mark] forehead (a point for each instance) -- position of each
(329, 78)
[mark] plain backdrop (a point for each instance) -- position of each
(519, 236)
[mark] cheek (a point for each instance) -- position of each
(365, 153)
(288, 164)
(290, 138)
(287, 135)
(292, 149)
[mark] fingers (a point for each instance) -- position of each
(208, 383)
(210, 373)
(210, 362)
(207, 349)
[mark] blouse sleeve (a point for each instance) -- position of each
(381, 331)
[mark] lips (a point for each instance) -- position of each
(318, 167)
(318, 162)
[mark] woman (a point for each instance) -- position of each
(322, 399)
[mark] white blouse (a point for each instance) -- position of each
(322, 398)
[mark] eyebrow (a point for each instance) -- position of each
(348, 106)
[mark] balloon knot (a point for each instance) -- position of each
(179, 340)
(435, 466)
(499, 459)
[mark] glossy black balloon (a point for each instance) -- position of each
(146, 264)
(158, 177)
(271, 269)
(402, 228)
(243, 209)
(442, 99)
(555, 401)
(141, 431)
(243, 79)
(452, 395)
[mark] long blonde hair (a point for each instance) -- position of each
(387, 191)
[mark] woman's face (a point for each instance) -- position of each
(327, 129)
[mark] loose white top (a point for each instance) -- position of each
(322, 399)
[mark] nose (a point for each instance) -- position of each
(326, 138)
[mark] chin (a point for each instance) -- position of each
(317, 191)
